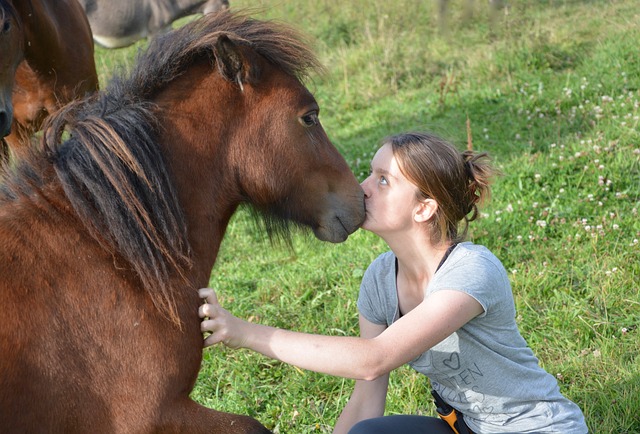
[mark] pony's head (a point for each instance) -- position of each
(253, 116)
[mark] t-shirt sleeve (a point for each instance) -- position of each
(480, 276)
(372, 300)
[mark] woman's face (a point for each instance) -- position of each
(390, 198)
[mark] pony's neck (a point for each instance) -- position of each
(198, 162)
(207, 206)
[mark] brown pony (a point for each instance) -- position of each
(108, 229)
(46, 61)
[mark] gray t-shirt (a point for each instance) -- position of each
(485, 369)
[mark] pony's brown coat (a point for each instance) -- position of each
(47, 61)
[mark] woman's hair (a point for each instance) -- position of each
(457, 181)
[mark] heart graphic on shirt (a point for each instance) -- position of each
(453, 362)
(481, 411)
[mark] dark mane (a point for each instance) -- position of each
(110, 166)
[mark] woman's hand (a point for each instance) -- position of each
(223, 326)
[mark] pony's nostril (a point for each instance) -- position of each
(5, 124)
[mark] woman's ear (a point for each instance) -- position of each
(425, 210)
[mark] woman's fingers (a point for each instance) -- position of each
(216, 320)
(211, 301)
(209, 295)
(205, 311)
(211, 340)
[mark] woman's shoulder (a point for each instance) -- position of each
(478, 261)
(381, 269)
(468, 251)
(377, 301)
(384, 259)
(474, 269)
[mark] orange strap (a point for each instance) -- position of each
(451, 419)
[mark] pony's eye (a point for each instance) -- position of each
(310, 119)
(6, 26)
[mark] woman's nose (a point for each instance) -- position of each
(364, 184)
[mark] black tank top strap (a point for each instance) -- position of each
(446, 255)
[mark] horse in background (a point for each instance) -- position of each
(47, 60)
(120, 23)
(109, 227)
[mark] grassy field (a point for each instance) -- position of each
(551, 89)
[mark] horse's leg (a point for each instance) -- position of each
(187, 416)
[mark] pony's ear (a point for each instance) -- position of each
(229, 60)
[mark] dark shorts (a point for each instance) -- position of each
(402, 424)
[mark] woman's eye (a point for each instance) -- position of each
(310, 119)
(383, 180)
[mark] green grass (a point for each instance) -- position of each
(551, 91)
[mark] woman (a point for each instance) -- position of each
(442, 305)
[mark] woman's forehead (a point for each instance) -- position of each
(384, 161)
(384, 158)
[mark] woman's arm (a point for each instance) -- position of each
(369, 397)
(438, 316)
